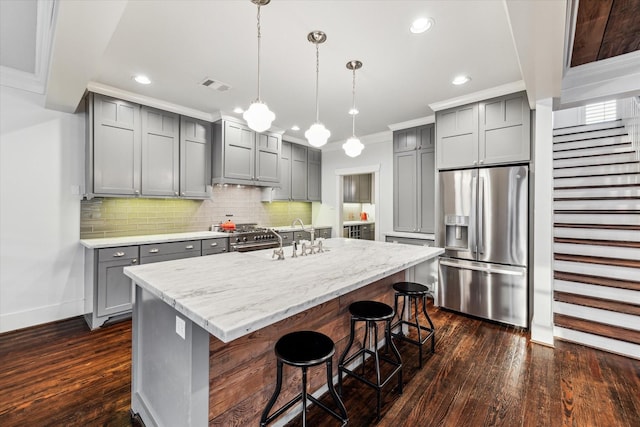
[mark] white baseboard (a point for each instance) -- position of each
(40, 315)
(607, 344)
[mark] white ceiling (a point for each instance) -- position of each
(178, 43)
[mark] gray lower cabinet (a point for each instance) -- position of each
(495, 131)
(287, 237)
(135, 150)
(159, 252)
(240, 156)
(414, 183)
(107, 289)
(325, 233)
(301, 235)
(368, 232)
(215, 246)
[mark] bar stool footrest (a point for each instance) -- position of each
(401, 336)
(397, 367)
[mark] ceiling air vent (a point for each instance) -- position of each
(215, 84)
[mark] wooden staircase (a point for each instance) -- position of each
(597, 237)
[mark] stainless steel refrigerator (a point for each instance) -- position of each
(484, 231)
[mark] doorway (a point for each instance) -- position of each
(349, 213)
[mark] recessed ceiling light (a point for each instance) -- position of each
(238, 110)
(421, 25)
(295, 127)
(142, 79)
(460, 80)
(353, 111)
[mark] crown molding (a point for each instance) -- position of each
(374, 138)
(413, 123)
(482, 95)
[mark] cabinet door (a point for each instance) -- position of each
(284, 192)
(405, 140)
(426, 198)
(239, 151)
(160, 153)
(268, 148)
(405, 191)
(426, 137)
(116, 146)
(348, 189)
(195, 158)
(314, 175)
(364, 188)
(504, 130)
(114, 288)
(457, 137)
(298, 172)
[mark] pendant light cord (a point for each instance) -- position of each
(317, 83)
(259, 36)
(353, 116)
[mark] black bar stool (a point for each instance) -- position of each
(414, 292)
(304, 349)
(371, 312)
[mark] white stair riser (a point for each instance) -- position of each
(587, 128)
(598, 270)
(597, 181)
(598, 151)
(590, 135)
(586, 193)
(596, 291)
(597, 251)
(589, 143)
(623, 348)
(597, 219)
(596, 160)
(597, 205)
(597, 170)
(622, 320)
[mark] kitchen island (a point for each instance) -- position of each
(204, 328)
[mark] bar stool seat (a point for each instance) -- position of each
(414, 292)
(304, 349)
(371, 312)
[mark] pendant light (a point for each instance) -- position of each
(317, 134)
(258, 115)
(353, 147)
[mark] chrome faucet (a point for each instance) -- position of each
(277, 252)
(312, 231)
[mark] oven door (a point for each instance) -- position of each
(248, 247)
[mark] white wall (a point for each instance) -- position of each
(41, 261)
(375, 155)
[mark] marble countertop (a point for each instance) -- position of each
(422, 236)
(233, 294)
(110, 242)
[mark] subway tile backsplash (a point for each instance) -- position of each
(117, 217)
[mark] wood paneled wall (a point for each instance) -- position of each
(242, 373)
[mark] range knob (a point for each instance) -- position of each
(244, 239)
(255, 237)
(237, 240)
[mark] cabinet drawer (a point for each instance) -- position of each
(168, 257)
(112, 254)
(301, 235)
(325, 233)
(215, 246)
(410, 241)
(189, 246)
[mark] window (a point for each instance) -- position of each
(600, 112)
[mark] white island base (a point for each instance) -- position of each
(204, 328)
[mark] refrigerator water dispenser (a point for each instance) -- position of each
(456, 232)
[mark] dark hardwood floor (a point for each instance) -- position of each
(481, 374)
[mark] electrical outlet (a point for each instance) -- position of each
(180, 327)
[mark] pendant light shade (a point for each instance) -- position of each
(317, 134)
(258, 116)
(353, 147)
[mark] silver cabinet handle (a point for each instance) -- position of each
(481, 161)
(488, 270)
(118, 254)
(134, 261)
(154, 251)
(285, 237)
(183, 193)
(176, 193)
(475, 162)
(224, 250)
(137, 191)
(189, 247)
(214, 244)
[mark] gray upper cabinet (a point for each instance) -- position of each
(457, 137)
(135, 150)
(314, 175)
(160, 153)
(113, 152)
(299, 173)
(195, 157)
(268, 147)
(240, 156)
(357, 189)
(284, 191)
(491, 132)
(505, 130)
(414, 183)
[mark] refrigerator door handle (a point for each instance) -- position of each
(472, 214)
(489, 270)
(480, 234)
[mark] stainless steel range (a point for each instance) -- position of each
(249, 237)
